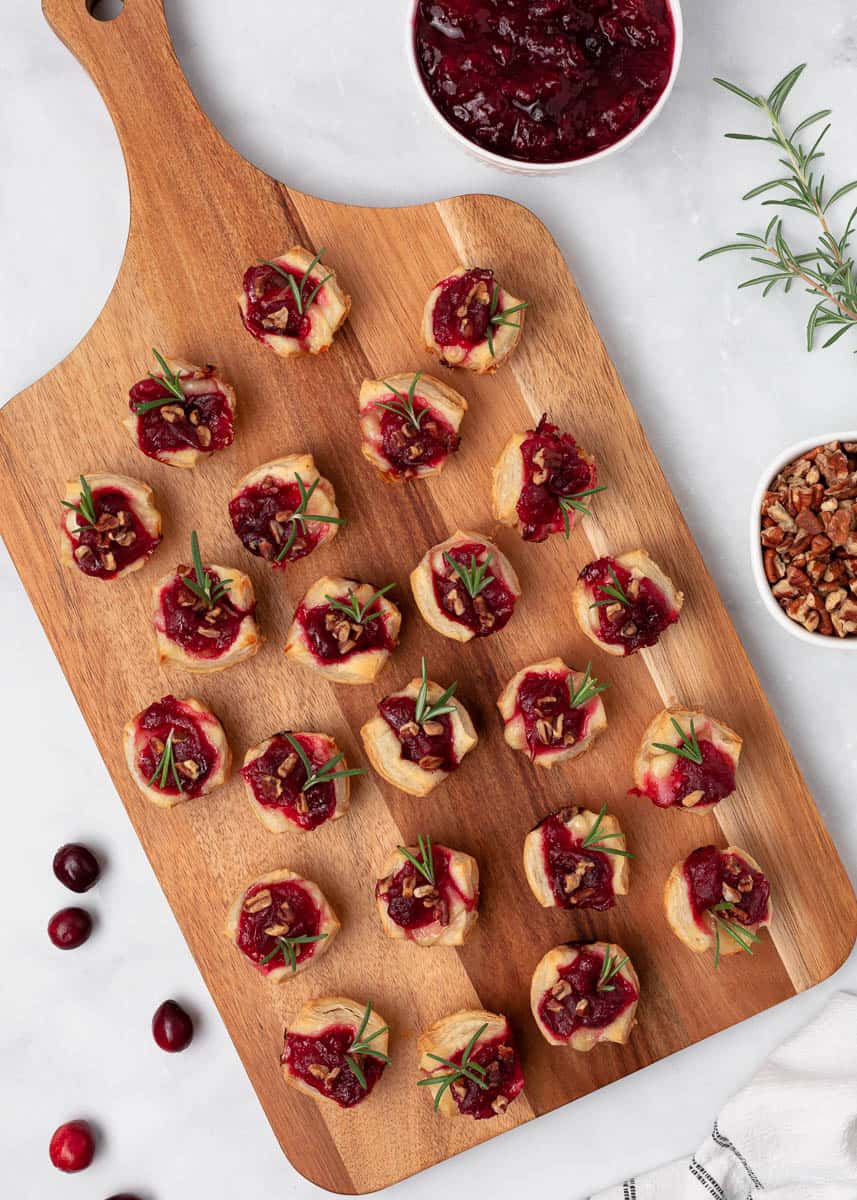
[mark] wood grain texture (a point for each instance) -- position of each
(199, 215)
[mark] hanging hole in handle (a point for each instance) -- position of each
(105, 10)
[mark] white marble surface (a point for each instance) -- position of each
(721, 384)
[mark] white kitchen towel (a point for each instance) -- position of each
(790, 1134)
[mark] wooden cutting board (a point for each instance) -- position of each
(199, 216)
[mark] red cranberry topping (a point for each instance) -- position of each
(429, 745)
(261, 517)
(69, 928)
(463, 308)
(712, 876)
(194, 755)
(286, 907)
(485, 613)
(563, 1010)
(503, 1075)
(412, 911)
(554, 467)
(545, 81)
(188, 621)
(277, 778)
(72, 1147)
(117, 539)
(550, 721)
(272, 307)
(202, 422)
(580, 876)
(636, 624)
(327, 1050)
(333, 637)
(408, 448)
(172, 1027)
(76, 867)
(714, 777)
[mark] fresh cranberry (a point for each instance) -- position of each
(172, 1028)
(76, 867)
(69, 928)
(72, 1147)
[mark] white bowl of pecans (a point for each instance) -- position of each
(803, 540)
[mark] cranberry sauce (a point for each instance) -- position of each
(333, 637)
(408, 448)
(463, 308)
(553, 467)
(261, 517)
(575, 1001)
(277, 778)
(272, 910)
(188, 621)
(485, 613)
(714, 777)
(413, 903)
(429, 745)
(202, 422)
(117, 539)
(545, 80)
(320, 1063)
(580, 877)
(272, 307)
(638, 623)
(503, 1075)
(714, 878)
(193, 754)
(550, 721)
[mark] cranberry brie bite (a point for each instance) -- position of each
(298, 781)
(552, 712)
(336, 1049)
(205, 616)
(625, 603)
(687, 760)
(575, 858)
(283, 510)
(585, 993)
(718, 898)
(470, 321)
(281, 924)
(428, 894)
(418, 736)
(293, 303)
(182, 413)
(409, 425)
(465, 587)
(176, 750)
(470, 1064)
(111, 526)
(343, 629)
(541, 481)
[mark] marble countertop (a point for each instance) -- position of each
(721, 382)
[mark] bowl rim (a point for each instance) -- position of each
(756, 554)
(545, 168)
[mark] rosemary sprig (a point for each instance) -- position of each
(85, 507)
(689, 747)
(610, 968)
(430, 712)
(326, 772)
(361, 1045)
(404, 405)
(574, 503)
(615, 592)
(207, 588)
(303, 303)
(589, 687)
(286, 947)
(300, 516)
(740, 934)
(462, 1070)
(595, 838)
(498, 316)
(356, 612)
(425, 863)
(168, 379)
(167, 765)
(474, 577)
(827, 270)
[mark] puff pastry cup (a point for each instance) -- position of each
(552, 712)
(205, 630)
(585, 993)
(625, 603)
(293, 303)
(181, 431)
(280, 790)
(110, 526)
(542, 481)
(718, 898)
(428, 894)
(484, 1043)
(409, 425)
(281, 923)
(575, 858)
(176, 750)
(417, 755)
(687, 760)
(283, 510)
(324, 1043)
(465, 587)
(345, 646)
(471, 321)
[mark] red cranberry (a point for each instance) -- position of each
(76, 867)
(72, 1147)
(172, 1028)
(69, 928)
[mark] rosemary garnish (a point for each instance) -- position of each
(323, 774)
(356, 612)
(610, 968)
(300, 516)
(689, 747)
(361, 1045)
(827, 270)
(740, 934)
(614, 591)
(473, 577)
(298, 289)
(167, 766)
(207, 588)
(589, 687)
(404, 406)
(170, 380)
(594, 839)
(430, 712)
(286, 947)
(462, 1070)
(85, 507)
(496, 317)
(425, 863)
(575, 501)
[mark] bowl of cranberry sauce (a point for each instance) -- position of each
(538, 86)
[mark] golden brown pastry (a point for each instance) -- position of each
(428, 894)
(181, 413)
(281, 923)
(409, 425)
(344, 630)
(585, 993)
(293, 303)
(297, 781)
(336, 1049)
(176, 750)
(687, 760)
(110, 526)
(718, 898)
(465, 587)
(576, 858)
(471, 1065)
(471, 321)
(625, 603)
(284, 510)
(551, 712)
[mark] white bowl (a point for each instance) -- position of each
(537, 168)
(756, 552)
